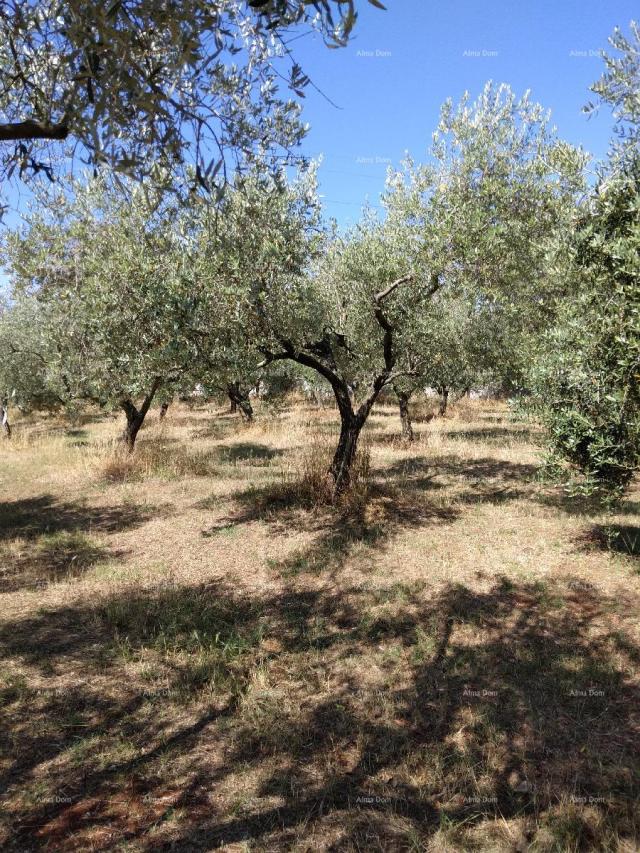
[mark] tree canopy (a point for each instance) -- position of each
(493, 264)
(192, 88)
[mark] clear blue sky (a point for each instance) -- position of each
(403, 63)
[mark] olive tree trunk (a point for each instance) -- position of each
(405, 416)
(4, 418)
(444, 401)
(351, 423)
(240, 400)
(320, 356)
(135, 417)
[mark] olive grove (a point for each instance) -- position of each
(493, 263)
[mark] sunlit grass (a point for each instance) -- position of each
(454, 642)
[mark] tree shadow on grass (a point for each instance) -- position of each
(381, 720)
(364, 531)
(247, 451)
(617, 538)
(53, 540)
(486, 480)
(197, 639)
(470, 469)
(493, 435)
(367, 519)
(557, 497)
(51, 558)
(400, 497)
(30, 518)
(506, 722)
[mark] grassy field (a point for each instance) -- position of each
(195, 655)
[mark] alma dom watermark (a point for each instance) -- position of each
(373, 161)
(479, 54)
(378, 53)
(585, 54)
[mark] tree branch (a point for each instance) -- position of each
(389, 359)
(379, 297)
(31, 129)
(340, 388)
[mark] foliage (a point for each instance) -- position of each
(587, 378)
(619, 86)
(190, 87)
(108, 276)
(484, 216)
(27, 375)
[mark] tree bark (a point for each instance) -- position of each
(240, 400)
(4, 417)
(135, 417)
(31, 129)
(246, 409)
(320, 357)
(405, 417)
(345, 453)
(351, 424)
(444, 401)
(163, 411)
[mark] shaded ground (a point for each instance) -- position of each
(196, 660)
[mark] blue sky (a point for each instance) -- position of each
(390, 81)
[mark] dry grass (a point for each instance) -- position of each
(200, 651)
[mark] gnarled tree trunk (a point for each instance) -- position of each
(240, 400)
(135, 416)
(351, 424)
(320, 357)
(444, 400)
(4, 417)
(405, 416)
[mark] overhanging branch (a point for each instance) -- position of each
(33, 130)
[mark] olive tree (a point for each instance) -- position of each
(619, 87)
(453, 349)
(337, 306)
(482, 215)
(28, 379)
(586, 378)
(585, 370)
(109, 273)
(193, 87)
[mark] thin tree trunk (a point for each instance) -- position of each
(163, 411)
(135, 417)
(405, 416)
(444, 400)
(4, 415)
